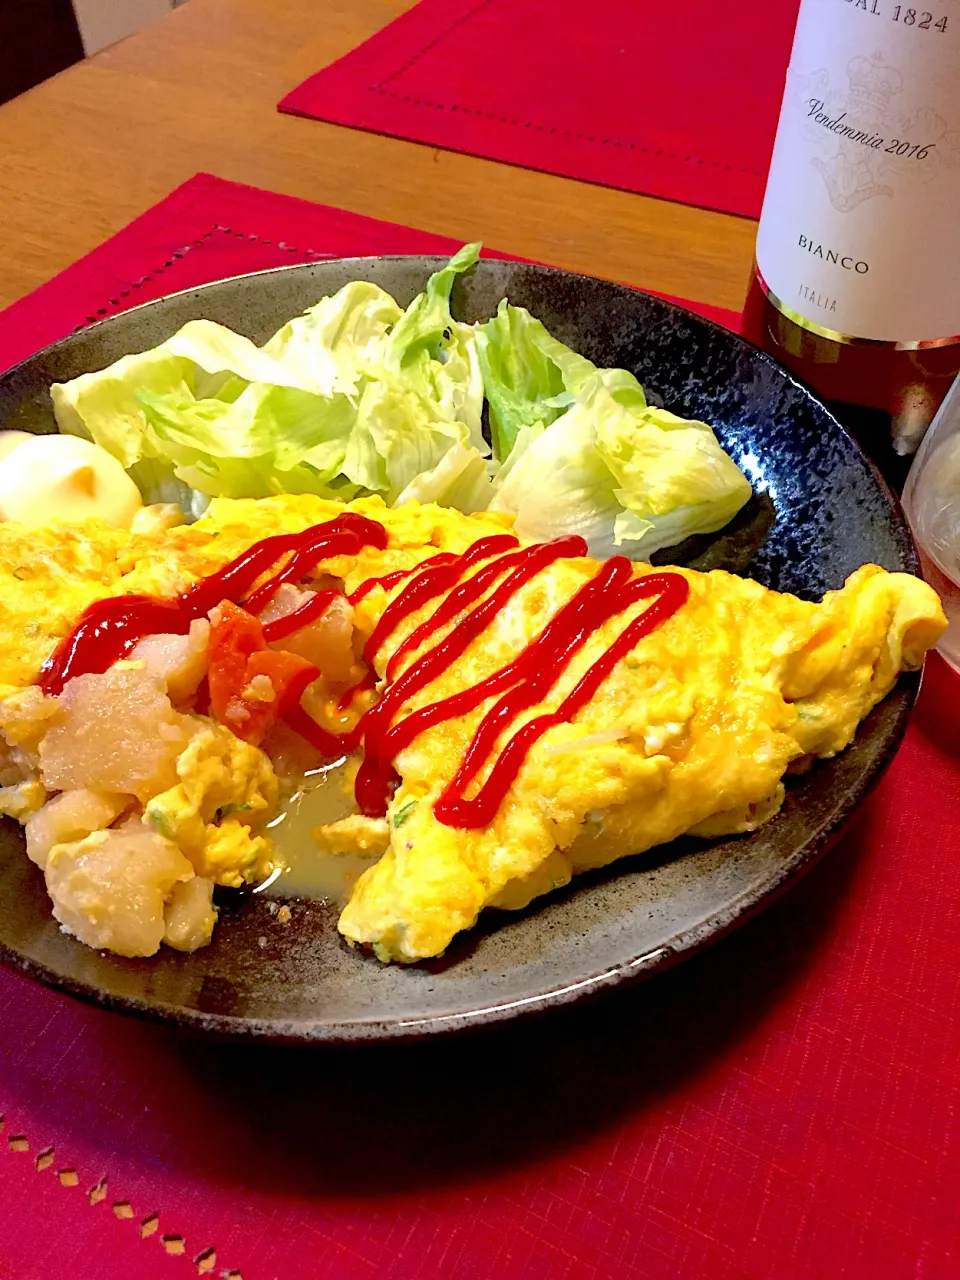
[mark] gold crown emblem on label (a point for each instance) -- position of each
(872, 82)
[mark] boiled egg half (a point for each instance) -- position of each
(53, 477)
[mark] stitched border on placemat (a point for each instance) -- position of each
(179, 254)
(660, 152)
(464, 18)
(437, 39)
(172, 1242)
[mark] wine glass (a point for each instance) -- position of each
(931, 500)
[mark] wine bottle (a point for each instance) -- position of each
(857, 280)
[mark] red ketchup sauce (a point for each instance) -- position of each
(520, 685)
(109, 629)
(308, 612)
(390, 580)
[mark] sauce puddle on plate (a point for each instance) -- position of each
(323, 796)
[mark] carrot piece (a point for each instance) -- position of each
(238, 656)
(234, 636)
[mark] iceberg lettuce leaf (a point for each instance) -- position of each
(327, 346)
(627, 482)
(436, 355)
(397, 435)
(460, 479)
(419, 333)
(529, 376)
(557, 483)
(267, 438)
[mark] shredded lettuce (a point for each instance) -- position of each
(358, 395)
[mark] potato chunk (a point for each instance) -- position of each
(110, 889)
(190, 915)
(179, 661)
(71, 816)
(114, 732)
(327, 642)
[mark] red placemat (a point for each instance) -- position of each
(782, 1107)
(669, 99)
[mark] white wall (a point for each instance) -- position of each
(104, 22)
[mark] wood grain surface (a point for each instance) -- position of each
(83, 153)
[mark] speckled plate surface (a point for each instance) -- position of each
(821, 512)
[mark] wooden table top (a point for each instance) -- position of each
(90, 149)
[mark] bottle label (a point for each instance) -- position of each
(860, 230)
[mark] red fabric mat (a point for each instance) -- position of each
(783, 1107)
(673, 100)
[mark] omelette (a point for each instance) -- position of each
(512, 714)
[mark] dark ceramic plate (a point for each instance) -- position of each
(299, 981)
